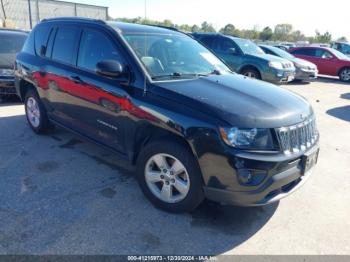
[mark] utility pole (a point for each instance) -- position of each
(37, 11)
(30, 15)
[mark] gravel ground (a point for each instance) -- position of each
(60, 195)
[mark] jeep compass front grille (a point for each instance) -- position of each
(296, 138)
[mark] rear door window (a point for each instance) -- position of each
(304, 51)
(65, 44)
(96, 46)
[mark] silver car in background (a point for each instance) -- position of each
(305, 70)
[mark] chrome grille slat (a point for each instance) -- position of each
(296, 138)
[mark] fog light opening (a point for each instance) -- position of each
(249, 177)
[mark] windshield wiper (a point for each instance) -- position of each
(179, 75)
(175, 75)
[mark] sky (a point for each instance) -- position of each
(305, 15)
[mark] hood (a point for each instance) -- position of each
(7, 61)
(303, 63)
(270, 58)
(238, 100)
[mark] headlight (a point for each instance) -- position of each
(7, 72)
(302, 66)
(276, 65)
(255, 138)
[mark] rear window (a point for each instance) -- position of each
(65, 44)
(11, 43)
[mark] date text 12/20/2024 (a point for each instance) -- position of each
(172, 258)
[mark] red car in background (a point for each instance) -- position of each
(328, 60)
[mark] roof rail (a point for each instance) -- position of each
(73, 18)
(166, 27)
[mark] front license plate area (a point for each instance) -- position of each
(309, 161)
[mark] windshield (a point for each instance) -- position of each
(248, 47)
(168, 56)
(340, 55)
(281, 53)
(11, 44)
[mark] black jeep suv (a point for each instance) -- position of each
(166, 104)
(11, 42)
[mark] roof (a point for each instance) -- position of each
(120, 26)
(217, 34)
(137, 28)
(13, 31)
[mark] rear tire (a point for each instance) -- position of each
(344, 75)
(36, 113)
(169, 176)
(251, 73)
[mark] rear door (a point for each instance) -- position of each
(55, 80)
(95, 103)
(308, 54)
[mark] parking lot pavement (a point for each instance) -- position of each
(60, 195)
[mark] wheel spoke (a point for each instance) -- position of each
(181, 186)
(177, 167)
(160, 161)
(153, 176)
(166, 192)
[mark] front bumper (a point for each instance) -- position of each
(283, 178)
(279, 76)
(303, 74)
(7, 86)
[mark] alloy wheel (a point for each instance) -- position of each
(33, 112)
(250, 74)
(167, 178)
(345, 75)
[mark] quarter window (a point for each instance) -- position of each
(41, 37)
(95, 47)
(64, 46)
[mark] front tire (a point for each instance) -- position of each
(36, 113)
(344, 74)
(251, 73)
(169, 176)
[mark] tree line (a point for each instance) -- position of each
(280, 33)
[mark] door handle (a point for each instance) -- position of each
(76, 79)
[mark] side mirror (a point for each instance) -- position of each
(110, 68)
(232, 51)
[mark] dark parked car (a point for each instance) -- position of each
(11, 42)
(163, 102)
(342, 47)
(304, 70)
(283, 47)
(245, 57)
(328, 60)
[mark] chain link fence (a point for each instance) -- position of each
(25, 14)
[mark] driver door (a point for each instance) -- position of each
(230, 53)
(327, 62)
